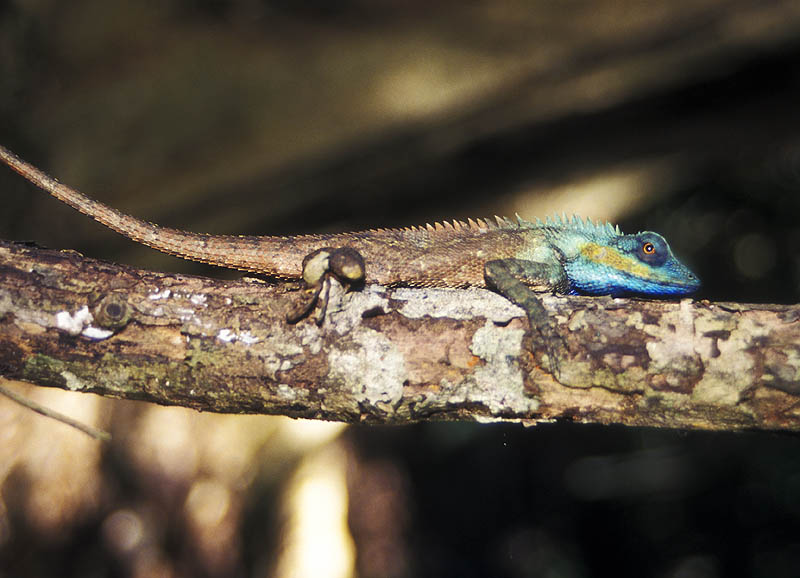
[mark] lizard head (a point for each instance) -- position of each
(641, 264)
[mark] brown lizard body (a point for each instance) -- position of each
(441, 255)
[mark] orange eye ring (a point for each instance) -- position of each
(649, 249)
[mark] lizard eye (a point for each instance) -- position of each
(652, 249)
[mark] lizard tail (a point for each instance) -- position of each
(127, 225)
(220, 250)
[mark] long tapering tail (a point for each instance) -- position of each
(246, 253)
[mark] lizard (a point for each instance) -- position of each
(515, 257)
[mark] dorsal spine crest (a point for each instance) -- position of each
(564, 224)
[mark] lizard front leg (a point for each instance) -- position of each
(345, 263)
(518, 280)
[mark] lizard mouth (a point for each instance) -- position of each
(685, 283)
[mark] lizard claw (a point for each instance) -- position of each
(305, 306)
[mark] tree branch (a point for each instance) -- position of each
(92, 432)
(392, 355)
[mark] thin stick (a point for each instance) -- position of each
(52, 414)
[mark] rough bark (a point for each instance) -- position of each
(393, 355)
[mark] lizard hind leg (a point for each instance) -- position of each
(344, 263)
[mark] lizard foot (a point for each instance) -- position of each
(344, 263)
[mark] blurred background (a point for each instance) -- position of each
(272, 117)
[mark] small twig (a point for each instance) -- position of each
(52, 414)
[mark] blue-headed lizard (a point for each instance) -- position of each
(515, 257)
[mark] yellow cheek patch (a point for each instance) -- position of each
(615, 260)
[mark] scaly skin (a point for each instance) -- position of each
(559, 255)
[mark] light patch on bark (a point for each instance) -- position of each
(368, 364)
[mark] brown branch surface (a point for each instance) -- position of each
(392, 355)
